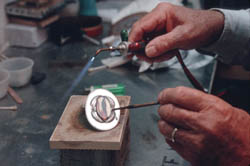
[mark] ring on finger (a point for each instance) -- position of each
(168, 138)
(173, 135)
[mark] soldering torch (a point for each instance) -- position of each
(126, 47)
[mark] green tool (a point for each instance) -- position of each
(116, 89)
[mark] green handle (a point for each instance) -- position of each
(124, 35)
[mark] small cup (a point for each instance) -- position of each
(4, 82)
(20, 70)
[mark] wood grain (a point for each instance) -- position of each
(97, 157)
(74, 132)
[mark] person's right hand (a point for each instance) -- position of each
(180, 28)
(210, 132)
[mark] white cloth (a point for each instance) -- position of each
(233, 46)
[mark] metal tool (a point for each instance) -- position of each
(137, 106)
(126, 47)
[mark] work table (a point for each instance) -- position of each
(25, 133)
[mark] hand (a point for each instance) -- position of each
(210, 131)
(180, 28)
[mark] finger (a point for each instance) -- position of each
(165, 129)
(158, 59)
(181, 136)
(164, 43)
(163, 58)
(188, 98)
(144, 58)
(149, 23)
(178, 116)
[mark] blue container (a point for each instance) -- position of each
(88, 8)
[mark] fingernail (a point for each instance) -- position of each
(162, 127)
(160, 111)
(160, 96)
(151, 51)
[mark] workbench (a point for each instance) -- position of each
(24, 135)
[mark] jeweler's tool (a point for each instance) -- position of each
(85, 69)
(126, 47)
(137, 106)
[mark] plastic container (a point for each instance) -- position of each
(4, 82)
(88, 7)
(20, 70)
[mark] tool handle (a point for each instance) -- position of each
(137, 46)
(137, 106)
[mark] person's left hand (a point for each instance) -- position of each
(172, 27)
(157, 59)
(210, 131)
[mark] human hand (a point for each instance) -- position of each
(210, 132)
(177, 28)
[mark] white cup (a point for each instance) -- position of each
(20, 70)
(4, 82)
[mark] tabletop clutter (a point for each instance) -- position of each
(31, 19)
(31, 22)
(93, 128)
(15, 72)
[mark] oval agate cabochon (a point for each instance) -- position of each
(98, 110)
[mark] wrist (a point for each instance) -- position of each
(217, 25)
(232, 44)
(239, 155)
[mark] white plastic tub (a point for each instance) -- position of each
(4, 82)
(20, 70)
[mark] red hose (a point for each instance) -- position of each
(189, 75)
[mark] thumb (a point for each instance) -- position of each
(164, 43)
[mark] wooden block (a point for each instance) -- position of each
(74, 132)
(97, 157)
(31, 22)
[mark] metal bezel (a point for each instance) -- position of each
(93, 122)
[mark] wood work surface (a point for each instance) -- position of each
(74, 132)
